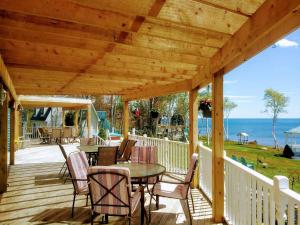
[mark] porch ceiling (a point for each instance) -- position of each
(133, 48)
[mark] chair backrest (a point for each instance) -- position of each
(78, 165)
(122, 146)
(192, 167)
(144, 154)
(128, 148)
(74, 132)
(56, 132)
(107, 155)
(40, 132)
(67, 132)
(88, 141)
(63, 151)
(110, 190)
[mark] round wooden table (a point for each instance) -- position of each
(141, 171)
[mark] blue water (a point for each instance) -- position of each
(257, 129)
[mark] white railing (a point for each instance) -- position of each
(205, 170)
(251, 198)
(172, 154)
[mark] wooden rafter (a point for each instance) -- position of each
(6, 79)
(270, 17)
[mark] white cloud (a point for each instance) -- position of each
(285, 43)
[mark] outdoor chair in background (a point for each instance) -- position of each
(110, 192)
(122, 147)
(107, 155)
(56, 135)
(127, 151)
(67, 134)
(75, 135)
(234, 158)
(146, 155)
(88, 141)
(245, 163)
(44, 136)
(78, 165)
(177, 190)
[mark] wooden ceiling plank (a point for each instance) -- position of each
(263, 22)
(197, 14)
(245, 7)
(157, 90)
(29, 31)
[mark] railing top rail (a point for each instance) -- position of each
(159, 139)
(252, 172)
(291, 195)
(204, 147)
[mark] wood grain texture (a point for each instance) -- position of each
(218, 148)
(3, 146)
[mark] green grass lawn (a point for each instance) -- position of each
(275, 165)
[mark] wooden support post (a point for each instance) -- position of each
(126, 120)
(76, 120)
(89, 120)
(193, 127)
(218, 148)
(3, 146)
(14, 134)
(63, 118)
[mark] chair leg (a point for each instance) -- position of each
(73, 204)
(92, 218)
(63, 166)
(129, 221)
(190, 216)
(157, 202)
(192, 200)
(151, 196)
(87, 200)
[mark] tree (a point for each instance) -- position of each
(228, 107)
(275, 103)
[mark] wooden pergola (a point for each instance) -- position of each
(75, 104)
(136, 49)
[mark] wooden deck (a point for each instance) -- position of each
(37, 195)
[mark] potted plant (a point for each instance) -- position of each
(205, 107)
(154, 113)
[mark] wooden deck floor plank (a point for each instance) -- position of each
(39, 197)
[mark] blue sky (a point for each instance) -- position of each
(276, 67)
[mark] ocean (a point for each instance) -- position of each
(257, 129)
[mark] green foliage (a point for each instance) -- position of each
(275, 102)
(228, 106)
(102, 133)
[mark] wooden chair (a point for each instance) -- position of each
(122, 147)
(56, 135)
(110, 192)
(107, 155)
(78, 165)
(177, 190)
(127, 151)
(45, 138)
(67, 133)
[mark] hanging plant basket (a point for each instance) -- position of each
(205, 107)
(154, 114)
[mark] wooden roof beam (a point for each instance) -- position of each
(157, 90)
(269, 23)
(5, 77)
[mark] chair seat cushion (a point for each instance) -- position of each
(83, 190)
(170, 190)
